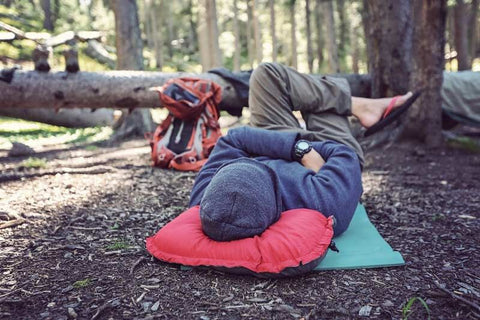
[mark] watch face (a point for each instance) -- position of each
(302, 145)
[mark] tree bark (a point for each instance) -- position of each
(147, 22)
(192, 34)
(129, 56)
(309, 37)
(210, 54)
(424, 118)
(354, 31)
(273, 33)
(461, 38)
(47, 15)
(473, 30)
(332, 48)
(293, 36)
(450, 37)
(257, 32)
(344, 39)
(320, 39)
(236, 33)
(389, 40)
(157, 33)
(167, 12)
(110, 89)
(128, 39)
(250, 37)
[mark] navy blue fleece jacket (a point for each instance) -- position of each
(334, 190)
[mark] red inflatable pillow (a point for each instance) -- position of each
(293, 245)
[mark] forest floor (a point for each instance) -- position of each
(72, 243)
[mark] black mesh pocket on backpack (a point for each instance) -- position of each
(181, 134)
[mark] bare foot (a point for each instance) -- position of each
(370, 111)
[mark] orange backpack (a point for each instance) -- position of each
(184, 140)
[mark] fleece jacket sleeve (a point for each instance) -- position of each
(337, 187)
(242, 142)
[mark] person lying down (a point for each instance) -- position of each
(256, 172)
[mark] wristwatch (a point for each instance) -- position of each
(301, 148)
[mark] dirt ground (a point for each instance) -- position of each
(72, 242)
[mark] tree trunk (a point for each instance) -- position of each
(129, 57)
(47, 15)
(257, 32)
(250, 38)
(309, 37)
(424, 118)
(71, 118)
(320, 39)
(157, 34)
(461, 38)
(147, 22)
(473, 30)
(331, 38)
(355, 32)
(236, 33)
(344, 40)
(210, 54)
(293, 35)
(450, 38)
(271, 4)
(128, 38)
(192, 34)
(167, 12)
(389, 41)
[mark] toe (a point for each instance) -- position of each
(404, 98)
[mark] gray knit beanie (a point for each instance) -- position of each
(241, 200)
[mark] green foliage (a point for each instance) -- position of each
(406, 311)
(118, 245)
(177, 21)
(22, 15)
(91, 148)
(438, 217)
(82, 283)
(33, 162)
(464, 143)
(17, 50)
(13, 130)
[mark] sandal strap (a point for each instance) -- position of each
(390, 106)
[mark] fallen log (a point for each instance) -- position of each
(70, 118)
(113, 89)
(98, 52)
(47, 39)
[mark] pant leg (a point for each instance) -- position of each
(277, 90)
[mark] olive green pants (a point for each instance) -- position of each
(325, 104)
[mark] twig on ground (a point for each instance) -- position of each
(85, 228)
(34, 293)
(3, 296)
(136, 264)
(100, 309)
(107, 305)
(16, 176)
(11, 223)
(456, 296)
(183, 175)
